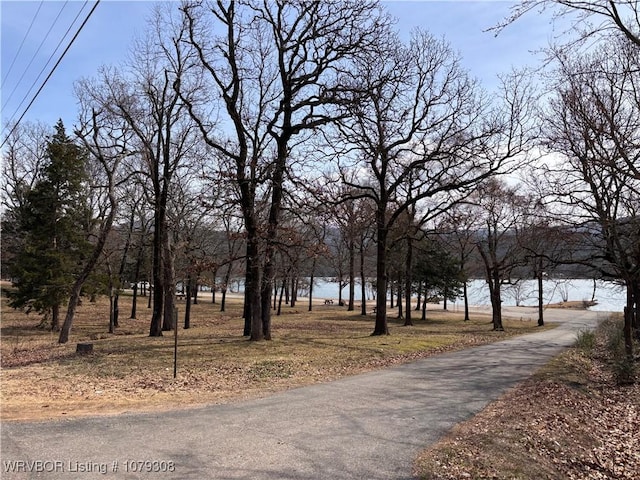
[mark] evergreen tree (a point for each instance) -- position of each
(53, 220)
(437, 272)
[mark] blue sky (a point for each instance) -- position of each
(107, 37)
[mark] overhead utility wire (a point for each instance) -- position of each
(51, 73)
(19, 82)
(21, 44)
(33, 84)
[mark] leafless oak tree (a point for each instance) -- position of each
(107, 140)
(589, 18)
(22, 160)
(423, 133)
(143, 95)
(500, 213)
(593, 122)
(276, 66)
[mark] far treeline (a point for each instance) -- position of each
(276, 141)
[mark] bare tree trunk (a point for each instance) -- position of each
(275, 294)
(540, 298)
(187, 308)
(352, 277)
(277, 190)
(363, 282)
(635, 317)
(283, 287)
(493, 282)
(265, 297)
(134, 301)
(116, 308)
(169, 285)
(496, 302)
(195, 290)
(169, 305)
(313, 268)
(156, 299)
(424, 302)
(294, 291)
(55, 318)
(381, 327)
(112, 301)
(86, 271)
(223, 301)
(408, 267)
(252, 304)
(466, 301)
(155, 329)
(399, 290)
(112, 317)
(629, 314)
(225, 286)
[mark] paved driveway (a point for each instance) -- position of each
(367, 426)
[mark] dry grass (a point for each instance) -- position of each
(131, 371)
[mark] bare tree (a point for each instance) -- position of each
(592, 121)
(277, 70)
(131, 202)
(500, 215)
(423, 133)
(107, 141)
(541, 237)
(350, 218)
(602, 22)
(145, 98)
(141, 245)
(244, 94)
(187, 216)
(590, 18)
(457, 231)
(22, 160)
(598, 109)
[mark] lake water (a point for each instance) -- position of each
(610, 297)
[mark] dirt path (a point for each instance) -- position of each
(366, 426)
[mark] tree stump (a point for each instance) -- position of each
(84, 348)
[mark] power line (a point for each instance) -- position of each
(51, 72)
(36, 53)
(22, 43)
(33, 84)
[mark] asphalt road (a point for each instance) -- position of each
(367, 426)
